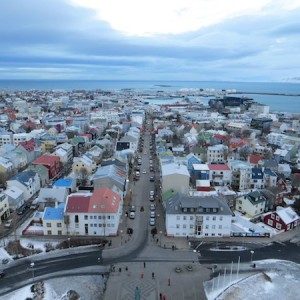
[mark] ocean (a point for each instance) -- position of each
(278, 103)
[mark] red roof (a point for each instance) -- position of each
(46, 159)
(78, 203)
(104, 200)
(218, 167)
(254, 159)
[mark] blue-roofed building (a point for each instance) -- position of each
(53, 220)
(270, 178)
(28, 181)
(68, 183)
(257, 178)
(191, 160)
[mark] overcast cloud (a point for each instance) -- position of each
(176, 40)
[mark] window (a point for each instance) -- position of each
(85, 217)
(272, 216)
(278, 226)
(214, 227)
(277, 218)
(206, 227)
(48, 225)
(207, 218)
(177, 226)
(270, 222)
(58, 224)
(59, 232)
(91, 225)
(178, 218)
(214, 218)
(91, 217)
(184, 226)
(191, 226)
(191, 218)
(76, 218)
(95, 217)
(184, 218)
(221, 218)
(49, 232)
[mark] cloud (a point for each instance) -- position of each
(72, 40)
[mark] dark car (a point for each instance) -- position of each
(152, 179)
(21, 210)
(2, 274)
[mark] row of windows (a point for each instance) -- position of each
(57, 224)
(206, 234)
(99, 217)
(102, 225)
(206, 226)
(207, 218)
(59, 232)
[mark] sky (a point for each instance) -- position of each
(213, 40)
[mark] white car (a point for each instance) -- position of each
(8, 224)
(152, 222)
(144, 171)
(132, 215)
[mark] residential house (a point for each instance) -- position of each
(54, 220)
(43, 173)
(96, 214)
(6, 169)
(191, 160)
(28, 181)
(274, 197)
(241, 174)
(270, 178)
(217, 153)
(284, 218)
(52, 163)
(282, 155)
(84, 165)
(257, 179)
(285, 169)
(32, 151)
(4, 207)
(255, 159)
(52, 197)
(175, 177)
(15, 197)
(67, 183)
(197, 217)
(252, 204)
(219, 174)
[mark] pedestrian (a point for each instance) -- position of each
(142, 275)
(144, 265)
(152, 275)
(157, 241)
(169, 281)
(160, 296)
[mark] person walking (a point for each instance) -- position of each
(153, 275)
(144, 265)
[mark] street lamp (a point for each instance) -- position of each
(252, 252)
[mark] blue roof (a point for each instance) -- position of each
(24, 177)
(257, 173)
(54, 213)
(64, 182)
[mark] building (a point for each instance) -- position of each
(219, 174)
(217, 153)
(252, 204)
(241, 174)
(4, 207)
(53, 220)
(52, 163)
(197, 217)
(175, 177)
(96, 214)
(28, 181)
(282, 219)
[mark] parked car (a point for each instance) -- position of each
(152, 179)
(152, 222)
(152, 214)
(152, 206)
(151, 193)
(21, 210)
(144, 171)
(8, 224)
(132, 208)
(132, 215)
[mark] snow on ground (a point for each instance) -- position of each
(280, 280)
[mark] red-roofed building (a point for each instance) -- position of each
(94, 214)
(52, 163)
(219, 174)
(254, 159)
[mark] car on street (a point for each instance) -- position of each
(152, 214)
(144, 171)
(132, 215)
(145, 153)
(152, 222)
(8, 224)
(152, 206)
(151, 193)
(152, 178)
(21, 210)
(132, 208)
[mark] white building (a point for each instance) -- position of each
(94, 214)
(219, 174)
(217, 153)
(53, 220)
(241, 174)
(175, 177)
(197, 217)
